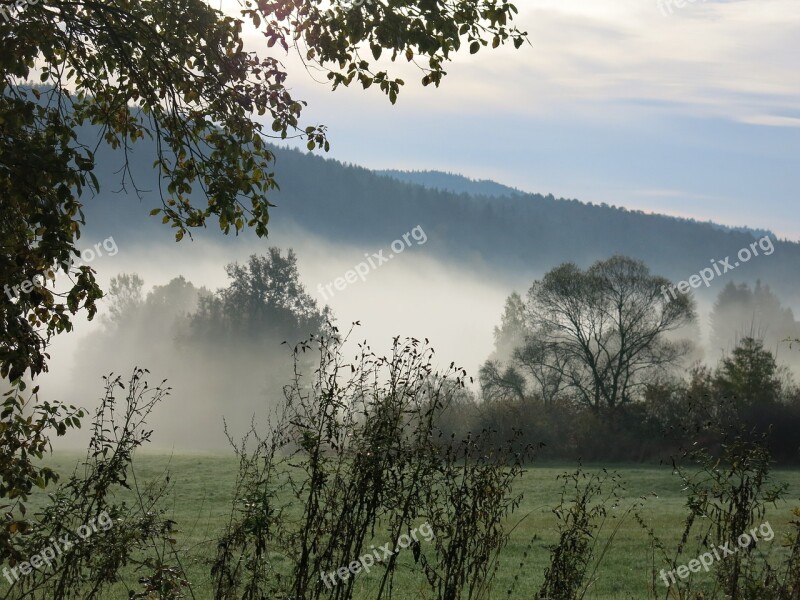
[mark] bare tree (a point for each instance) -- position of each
(604, 329)
(542, 360)
(498, 383)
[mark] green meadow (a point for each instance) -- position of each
(200, 493)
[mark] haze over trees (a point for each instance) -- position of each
(209, 344)
(595, 337)
(743, 311)
(264, 299)
(599, 364)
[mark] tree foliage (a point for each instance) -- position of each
(749, 379)
(263, 299)
(176, 72)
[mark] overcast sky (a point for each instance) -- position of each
(688, 110)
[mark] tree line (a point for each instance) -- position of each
(598, 364)
(594, 363)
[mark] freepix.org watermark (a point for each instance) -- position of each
(366, 561)
(666, 5)
(50, 554)
(15, 6)
(362, 269)
(705, 560)
(707, 275)
(38, 281)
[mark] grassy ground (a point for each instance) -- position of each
(200, 504)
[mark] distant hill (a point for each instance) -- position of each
(451, 182)
(757, 233)
(511, 235)
(459, 184)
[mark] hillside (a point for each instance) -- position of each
(451, 182)
(511, 236)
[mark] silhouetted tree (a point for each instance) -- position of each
(599, 334)
(125, 291)
(264, 299)
(498, 383)
(749, 376)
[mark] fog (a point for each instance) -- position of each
(455, 307)
(412, 295)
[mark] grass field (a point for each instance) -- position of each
(200, 503)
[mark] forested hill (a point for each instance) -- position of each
(510, 235)
(451, 182)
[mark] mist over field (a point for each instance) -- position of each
(412, 296)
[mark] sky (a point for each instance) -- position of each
(688, 110)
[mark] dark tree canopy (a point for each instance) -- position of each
(264, 299)
(749, 376)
